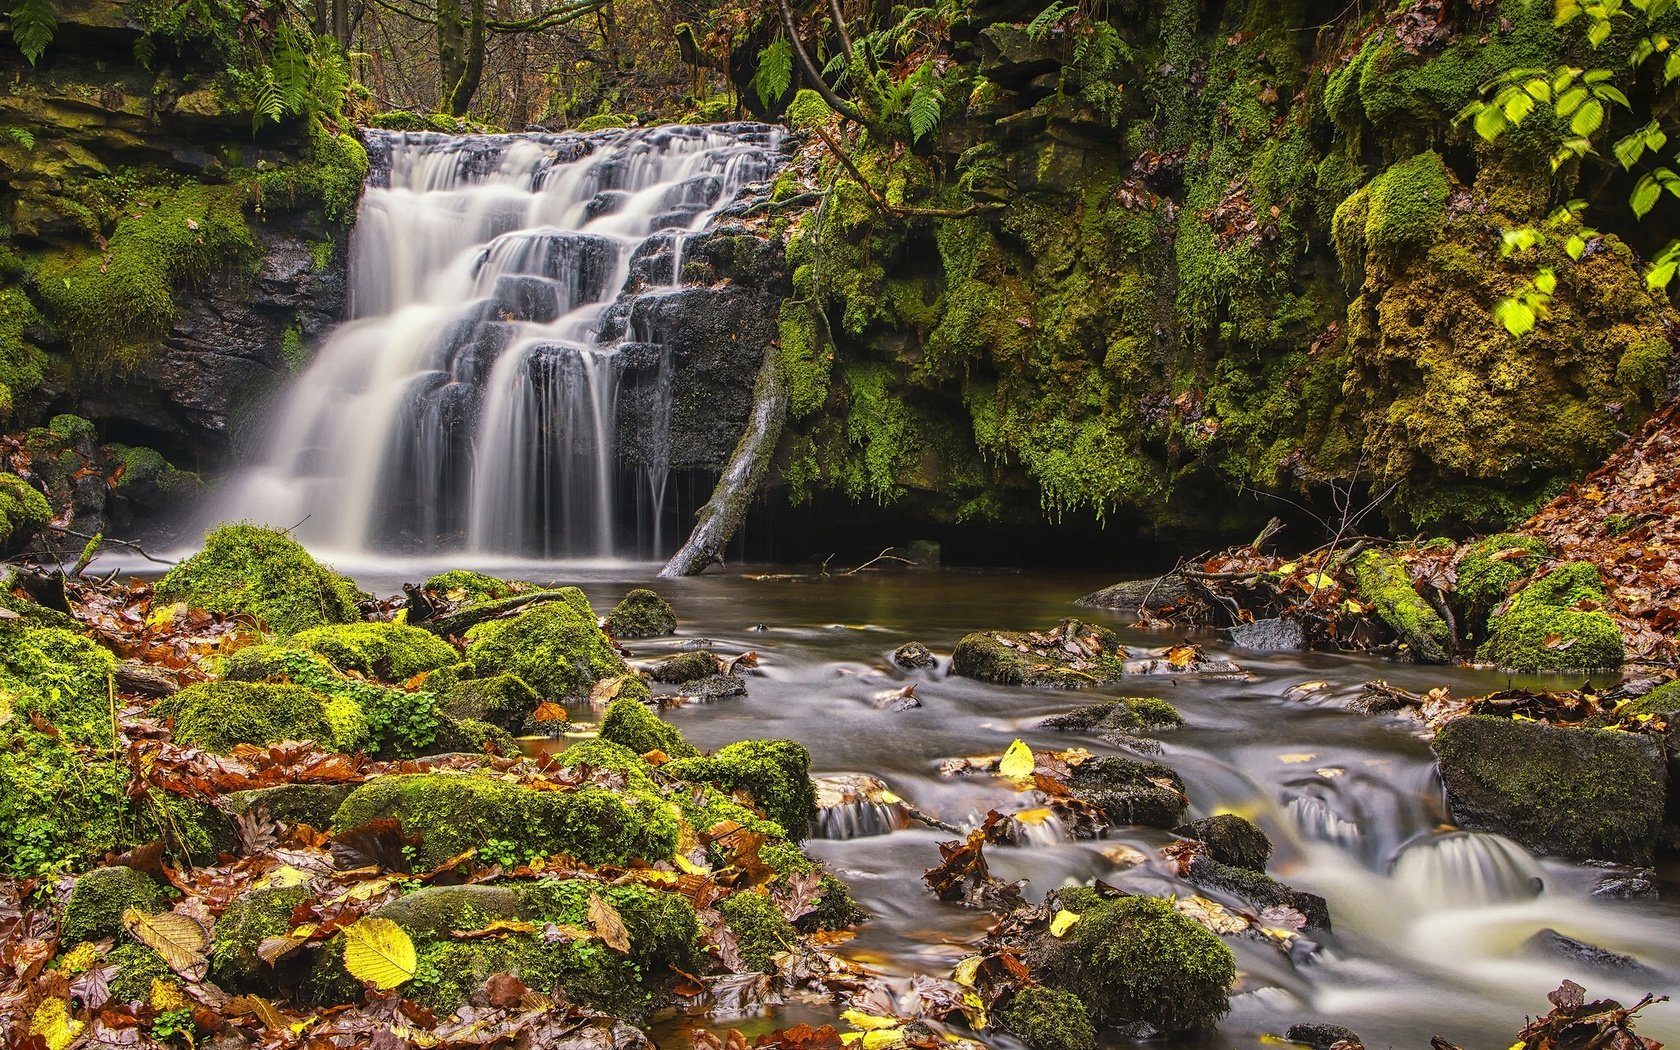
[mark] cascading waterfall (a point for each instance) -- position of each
(470, 401)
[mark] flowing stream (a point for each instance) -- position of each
(1431, 924)
(470, 402)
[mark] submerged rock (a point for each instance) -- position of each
(642, 614)
(1581, 793)
(914, 656)
(1549, 943)
(1258, 889)
(1072, 655)
(1276, 635)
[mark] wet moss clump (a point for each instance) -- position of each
(99, 898)
(1489, 568)
(1554, 624)
(218, 715)
(501, 700)
(458, 812)
(1130, 791)
(642, 614)
(629, 722)
(60, 676)
(663, 929)
(776, 774)
(1010, 658)
(392, 652)
(1048, 1019)
(137, 968)
(252, 917)
(1384, 582)
(556, 648)
(465, 585)
(759, 927)
(1135, 959)
(23, 512)
(263, 573)
(1232, 840)
(837, 910)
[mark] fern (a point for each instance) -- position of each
(775, 72)
(33, 25)
(21, 136)
(145, 50)
(926, 102)
(1048, 19)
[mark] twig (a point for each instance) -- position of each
(885, 555)
(131, 545)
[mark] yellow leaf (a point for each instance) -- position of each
(688, 867)
(888, 798)
(378, 951)
(1034, 817)
(1297, 758)
(1063, 922)
(163, 615)
(53, 1023)
(966, 971)
(868, 1022)
(1017, 761)
(882, 1038)
(182, 941)
(1320, 581)
(281, 878)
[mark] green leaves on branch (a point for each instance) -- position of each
(33, 24)
(775, 71)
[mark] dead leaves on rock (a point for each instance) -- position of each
(1577, 1024)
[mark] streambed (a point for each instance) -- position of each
(1430, 924)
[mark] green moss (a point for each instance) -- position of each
(114, 305)
(502, 700)
(1408, 204)
(23, 512)
(836, 910)
(148, 467)
(642, 614)
(775, 774)
(20, 360)
(685, 667)
(330, 179)
(264, 573)
(457, 812)
(470, 736)
(759, 927)
(218, 715)
(558, 650)
(348, 725)
(1551, 639)
(1136, 959)
(252, 917)
(629, 722)
(984, 656)
(99, 898)
(1048, 1019)
(61, 676)
(1385, 582)
(1232, 840)
(603, 121)
(137, 966)
(393, 652)
(1489, 568)
(663, 929)
(1568, 585)
(464, 585)
(808, 110)
(1130, 791)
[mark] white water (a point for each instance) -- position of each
(470, 403)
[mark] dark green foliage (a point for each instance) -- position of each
(99, 898)
(760, 928)
(642, 614)
(776, 774)
(1582, 793)
(263, 573)
(631, 723)
(1048, 1019)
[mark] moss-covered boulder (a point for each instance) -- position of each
(631, 723)
(1048, 1018)
(99, 898)
(218, 715)
(1231, 839)
(462, 585)
(684, 667)
(23, 513)
(1132, 959)
(642, 614)
(264, 573)
(1130, 791)
(252, 917)
(1580, 793)
(60, 676)
(760, 928)
(1256, 890)
(391, 652)
(1385, 583)
(312, 804)
(1125, 715)
(1556, 623)
(556, 647)
(501, 700)
(455, 812)
(776, 774)
(1489, 569)
(1071, 656)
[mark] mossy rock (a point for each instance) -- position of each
(1133, 959)
(556, 648)
(1384, 582)
(642, 614)
(1489, 568)
(1580, 793)
(137, 968)
(252, 917)
(599, 753)
(312, 804)
(218, 715)
(1006, 658)
(1048, 1018)
(776, 774)
(1130, 791)
(1126, 714)
(465, 585)
(759, 927)
(501, 700)
(261, 572)
(99, 898)
(432, 912)
(1231, 839)
(391, 652)
(1553, 624)
(630, 723)
(23, 513)
(456, 812)
(837, 910)
(684, 667)
(60, 675)
(470, 736)
(1258, 890)
(663, 928)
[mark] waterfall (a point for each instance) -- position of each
(470, 401)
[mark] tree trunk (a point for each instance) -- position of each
(472, 68)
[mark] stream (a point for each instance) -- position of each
(1430, 923)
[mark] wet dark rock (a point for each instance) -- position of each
(1321, 1036)
(684, 667)
(1124, 715)
(1581, 793)
(1130, 791)
(914, 656)
(1072, 655)
(1230, 839)
(1550, 943)
(1639, 884)
(1258, 890)
(714, 687)
(1269, 636)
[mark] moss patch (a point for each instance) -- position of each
(629, 722)
(775, 774)
(556, 648)
(218, 715)
(393, 652)
(263, 573)
(642, 614)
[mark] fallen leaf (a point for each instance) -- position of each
(608, 924)
(1063, 921)
(1017, 761)
(379, 952)
(180, 939)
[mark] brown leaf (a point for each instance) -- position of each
(180, 939)
(608, 924)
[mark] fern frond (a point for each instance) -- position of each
(926, 102)
(21, 136)
(33, 25)
(774, 73)
(1040, 27)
